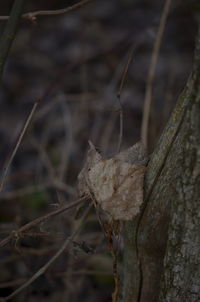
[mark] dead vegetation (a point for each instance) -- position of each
(69, 79)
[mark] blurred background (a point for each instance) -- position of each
(73, 64)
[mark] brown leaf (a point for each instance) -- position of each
(116, 183)
(93, 157)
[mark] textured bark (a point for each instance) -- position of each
(181, 277)
(164, 242)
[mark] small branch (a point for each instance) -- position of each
(9, 32)
(121, 126)
(7, 166)
(151, 74)
(43, 269)
(12, 283)
(56, 184)
(24, 228)
(124, 75)
(32, 15)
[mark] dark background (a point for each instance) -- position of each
(73, 64)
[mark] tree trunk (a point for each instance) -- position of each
(162, 246)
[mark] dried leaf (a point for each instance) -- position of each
(116, 183)
(136, 154)
(93, 157)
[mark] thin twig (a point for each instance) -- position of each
(58, 185)
(86, 272)
(68, 140)
(121, 118)
(43, 269)
(44, 157)
(7, 165)
(24, 228)
(124, 75)
(58, 275)
(12, 283)
(151, 74)
(9, 32)
(121, 126)
(32, 15)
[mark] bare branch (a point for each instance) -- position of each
(7, 165)
(151, 74)
(12, 283)
(33, 15)
(124, 75)
(24, 228)
(121, 122)
(42, 270)
(9, 32)
(56, 184)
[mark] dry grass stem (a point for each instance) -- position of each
(7, 165)
(124, 75)
(151, 74)
(121, 118)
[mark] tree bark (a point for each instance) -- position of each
(162, 246)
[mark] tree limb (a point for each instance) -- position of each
(33, 15)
